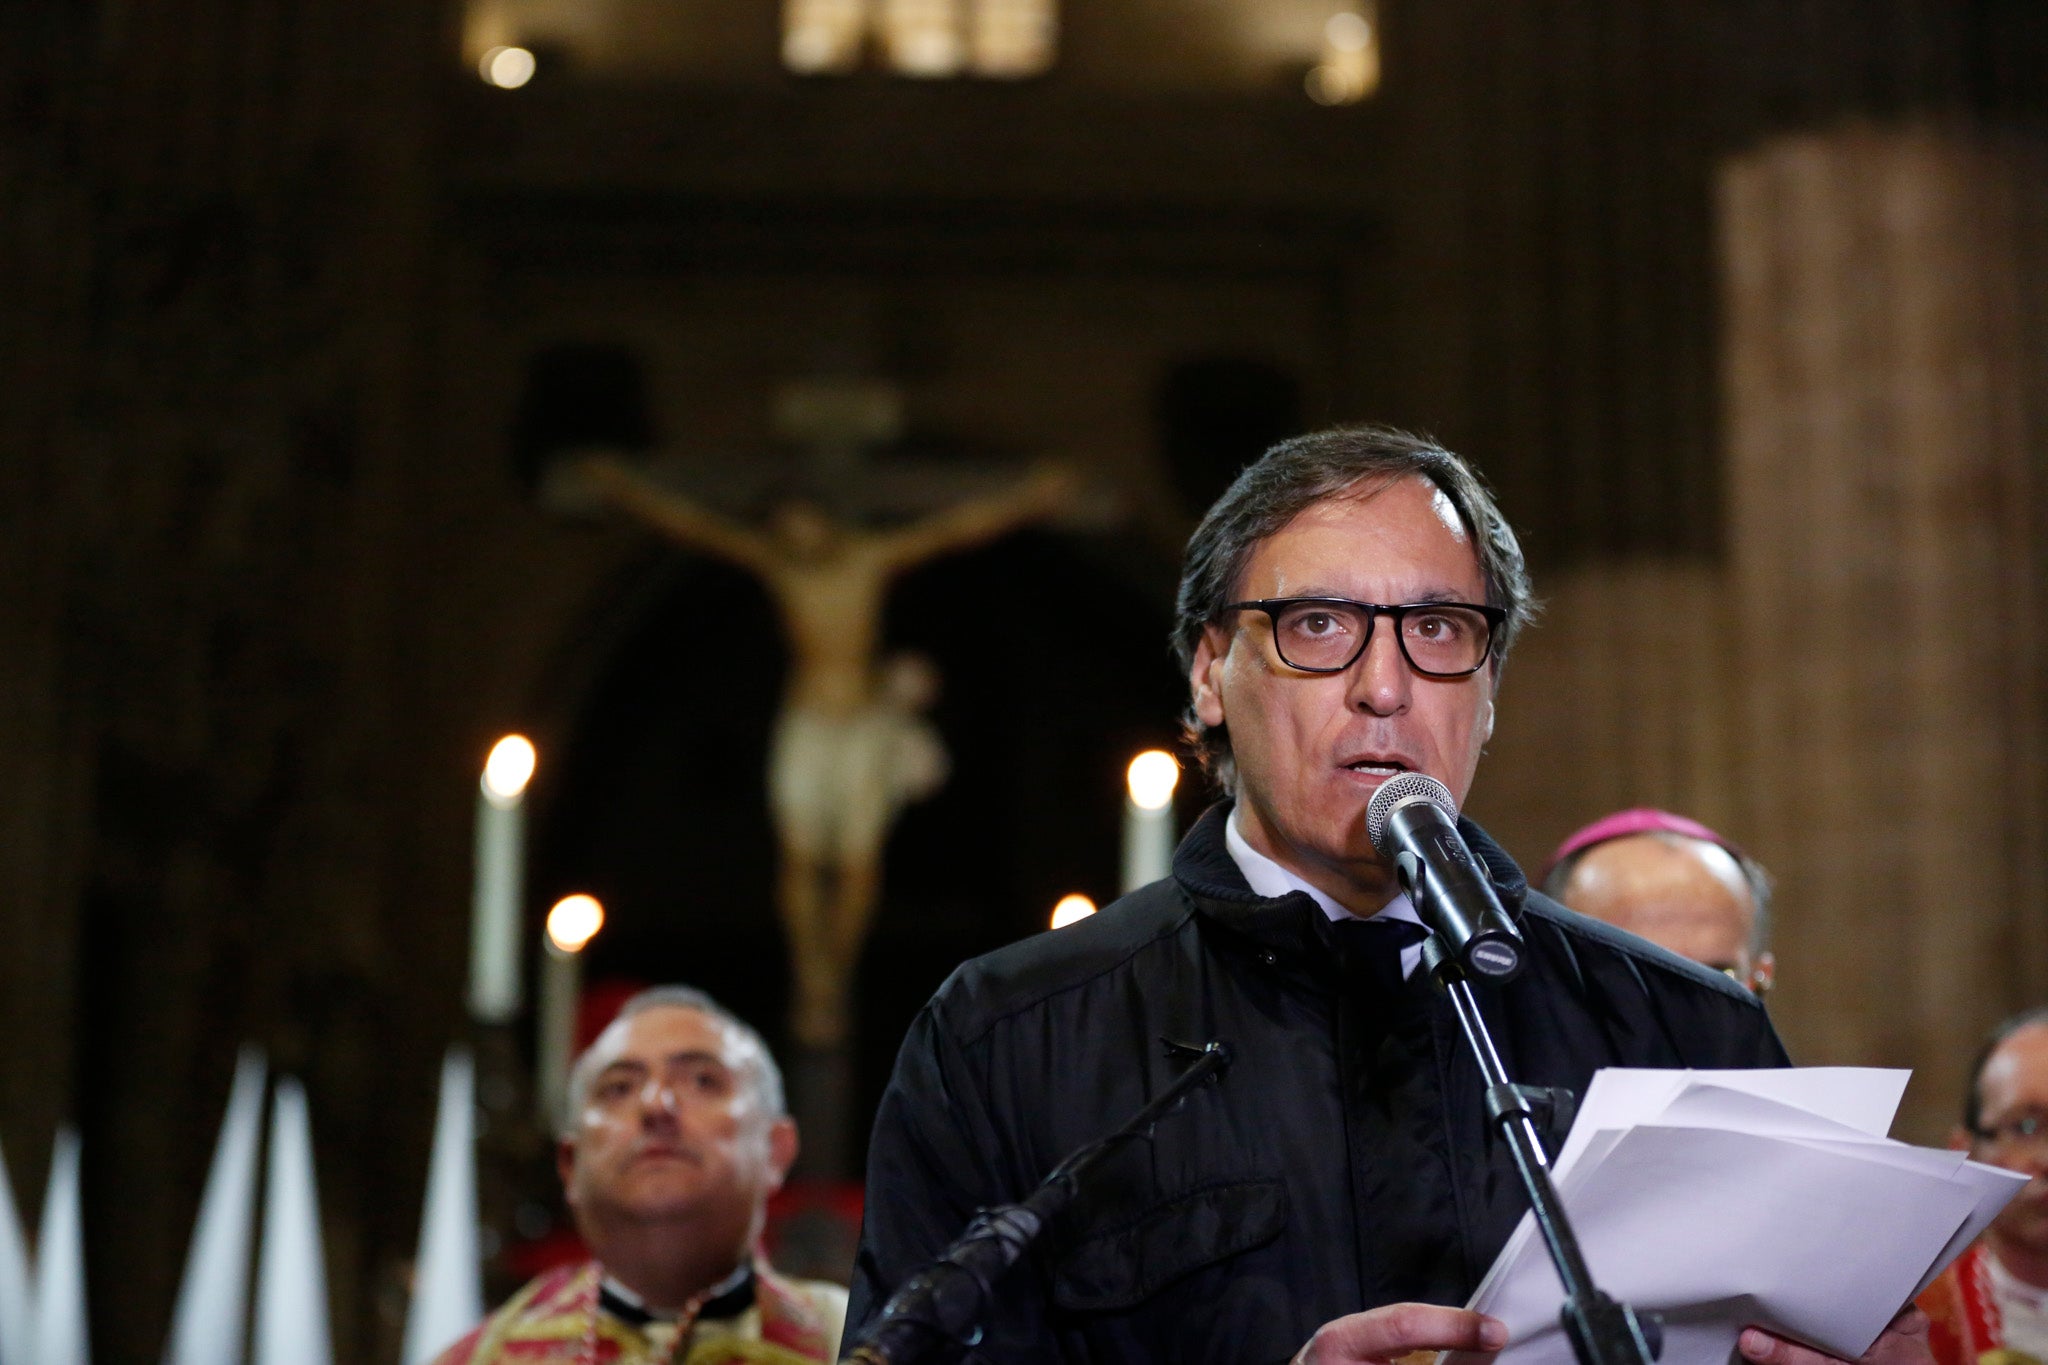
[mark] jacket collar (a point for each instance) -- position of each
(1293, 926)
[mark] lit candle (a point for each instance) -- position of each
(500, 877)
(1148, 818)
(573, 922)
(1071, 910)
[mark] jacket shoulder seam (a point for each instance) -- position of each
(1035, 1001)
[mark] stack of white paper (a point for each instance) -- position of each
(1727, 1199)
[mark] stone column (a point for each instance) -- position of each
(1883, 427)
(1623, 695)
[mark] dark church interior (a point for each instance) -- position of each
(309, 314)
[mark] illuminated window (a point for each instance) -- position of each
(925, 39)
(823, 37)
(1013, 37)
(922, 37)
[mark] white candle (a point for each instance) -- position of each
(573, 922)
(1148, 818)
(500, 881)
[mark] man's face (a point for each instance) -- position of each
(672, 1127)
(1680, 893)
(2014, 1084)
(1312, 748)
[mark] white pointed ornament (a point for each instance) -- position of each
(59, 1332)
(207, 1326)
(291, 1278)
(448, 1284)
(17, 1280)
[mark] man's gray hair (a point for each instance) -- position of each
(762, 1072)
(1294, 476)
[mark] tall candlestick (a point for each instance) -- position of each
(500, 881)
(1148, 818)
(573, 922)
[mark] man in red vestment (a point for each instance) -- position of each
(676, 1136)
(1991, 1306)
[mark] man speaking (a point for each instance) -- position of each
(1344, 613)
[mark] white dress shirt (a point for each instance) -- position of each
(1269, 878)
(2022, 1310)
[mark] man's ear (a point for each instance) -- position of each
(1489, 721)
(1959, 1140)
(782, 1149)
(1762, 973)
(1205, 676)
(565, 1167)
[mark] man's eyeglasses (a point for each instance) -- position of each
(1753, 981)
(2028, 1130)
(1327, 634)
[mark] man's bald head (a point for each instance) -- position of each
(1689, 895)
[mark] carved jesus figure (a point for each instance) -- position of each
(851, 745)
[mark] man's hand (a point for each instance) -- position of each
(1903, 1343)
(1383, 1334)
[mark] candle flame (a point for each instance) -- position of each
(1071, 909)
(1152, 778)
(573, 922)
(509, 768)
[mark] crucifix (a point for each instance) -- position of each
(852, 745)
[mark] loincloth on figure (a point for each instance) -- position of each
(836, 783)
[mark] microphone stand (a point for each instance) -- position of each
(937, 1313)
(1603, 1331)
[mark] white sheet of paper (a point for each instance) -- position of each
(1847, 1102)
(1994, 1189)
(1860, 1097)
(1709, 1104)
(1725, 1199)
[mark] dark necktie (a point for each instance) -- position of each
(1370, 949)
(1406, 1216)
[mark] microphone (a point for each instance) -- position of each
(937, 1314)
(1413, 824)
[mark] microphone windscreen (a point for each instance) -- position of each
(1396, 792)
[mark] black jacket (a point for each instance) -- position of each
(1342, 1162)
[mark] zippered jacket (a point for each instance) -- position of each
(1343, 1161)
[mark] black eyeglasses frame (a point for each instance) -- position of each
(1273, 606)
(2026, 1129)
